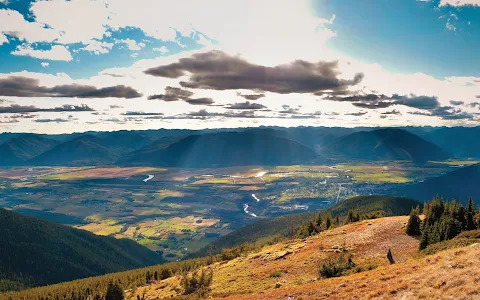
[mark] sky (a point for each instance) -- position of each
(80, 65)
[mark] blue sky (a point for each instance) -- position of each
(377, 59)
(408, 36)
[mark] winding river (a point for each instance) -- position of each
(148, 178)
(245, 209)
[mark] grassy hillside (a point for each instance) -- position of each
(37, 252)
(290, 264)
(292, 268)
(450, 274)
(281, 226)
(384, 144)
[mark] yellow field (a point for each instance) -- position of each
(106, 227)
(101, 173)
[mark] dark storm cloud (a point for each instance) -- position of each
(200, 101)
(474, 104)
(357, 114)
(217, 70)
(172, 94)
(203, 114)
(178, 94)
(251, 96)
(392, 112)
(420, 102)
(15, 108)
(374, 101)
(456, 103)
(141, 113)
(114, 120)
(447, 113)
(57, 120)
(246, 105)
(29, 87)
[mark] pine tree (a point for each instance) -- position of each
(114, 292)
(319, 221)
(424, 239)
(328, 222)
(471, 215)
(337, 221)
(413, 225)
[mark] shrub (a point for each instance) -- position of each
(197, 284)
(276, 274)
(334, 267)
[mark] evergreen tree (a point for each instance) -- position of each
(319, 221)
(328, 222)
(352, 216)
(114, 292)
(471, 215)
(424, 239)
(337, 221)
(413, 225)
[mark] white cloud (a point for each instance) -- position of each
(45, 64)
(79, 20)
(162, 49)
(14, 24)
(56, 52)
(98, 47)
(131, 44)
(85, 20)
(134, 55)
(459, 2)
(3, 39)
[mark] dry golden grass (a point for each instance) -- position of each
(451, 274)
(298, 262)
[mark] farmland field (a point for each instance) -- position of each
(178, 211)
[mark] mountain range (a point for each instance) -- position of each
(384, 144)
(460, 184)
(258, 146)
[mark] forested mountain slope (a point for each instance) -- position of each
(37, 252)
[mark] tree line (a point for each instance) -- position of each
(442, 221)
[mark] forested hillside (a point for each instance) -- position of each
(36, 252)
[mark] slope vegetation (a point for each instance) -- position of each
(384, 144)
(37, 252)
